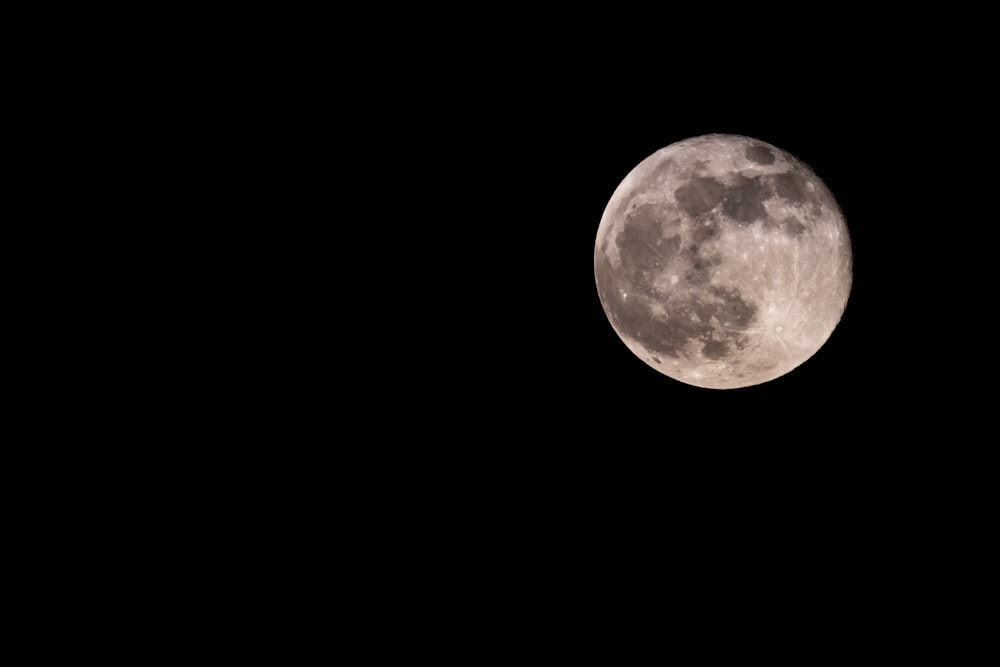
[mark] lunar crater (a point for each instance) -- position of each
(759, 154)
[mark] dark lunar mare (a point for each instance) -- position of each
(699, 195)
(793, 226)
(704, 232)
(790, 225)
(744, 201)
(792, 186)
(760, 154)
(718, 318)
(642, 247)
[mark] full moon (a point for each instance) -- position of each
(723, 262)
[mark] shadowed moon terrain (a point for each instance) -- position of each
(723, 261)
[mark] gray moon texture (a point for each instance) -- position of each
(723, 261)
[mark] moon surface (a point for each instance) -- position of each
(723, 261)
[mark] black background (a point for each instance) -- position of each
(399, 346)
